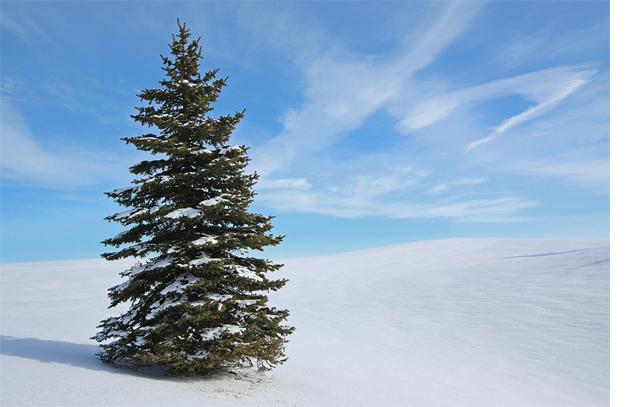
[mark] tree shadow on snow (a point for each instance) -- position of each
(50, 351)
(79, 355)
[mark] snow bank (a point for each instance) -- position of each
(460, 322)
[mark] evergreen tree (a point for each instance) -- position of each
(197, 300)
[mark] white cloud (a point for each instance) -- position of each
(343, 91)
(546, 88)
(584, 172)
(595, 171)
(24, 158)
(541, 107)
(284, 183)
(444, 187)
(349, 205)
(25, 28)
(472, 210)
(549, 43)
(395, 196)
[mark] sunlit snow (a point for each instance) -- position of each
(460, 322)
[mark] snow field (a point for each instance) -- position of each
(457, 322)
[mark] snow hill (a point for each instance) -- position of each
(458, 322)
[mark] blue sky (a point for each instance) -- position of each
(370, 123)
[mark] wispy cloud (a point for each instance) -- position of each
(546, 88)
(397, 196)
(79, 97)
(444, 187)
(343, 91)
(284, 183)
(26, 28)
(349, 205)
(490, 210)
(24, 158)
(317, 160)
(542, 106)
(577, 169)
(11, 87)
(550, 43)
(589, 172)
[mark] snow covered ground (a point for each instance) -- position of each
(459, 322)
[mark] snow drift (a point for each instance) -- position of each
(459, 322)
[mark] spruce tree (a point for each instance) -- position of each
(197, 298)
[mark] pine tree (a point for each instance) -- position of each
(197, 299)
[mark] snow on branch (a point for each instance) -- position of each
(205, 240)
(184, 213)
(214, 333)
(167, 261)
(203, 260)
